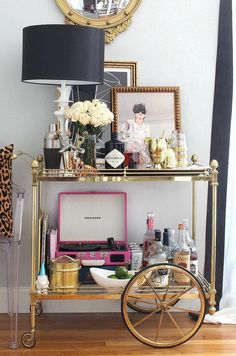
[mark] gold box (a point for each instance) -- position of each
(64, 274)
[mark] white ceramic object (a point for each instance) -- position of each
(101, 278)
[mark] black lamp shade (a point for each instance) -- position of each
(56, 53)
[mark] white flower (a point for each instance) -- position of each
(94, 113)
(84, 118)
(80, 106)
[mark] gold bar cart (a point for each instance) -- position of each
(145, 304)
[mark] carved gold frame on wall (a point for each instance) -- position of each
(145, 90)
(112, 24)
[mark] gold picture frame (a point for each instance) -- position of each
(162, 107)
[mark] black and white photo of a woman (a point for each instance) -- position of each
(135, 130)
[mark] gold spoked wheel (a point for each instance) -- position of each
(168, 294)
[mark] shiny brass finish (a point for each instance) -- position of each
(113, 24)
(128, 175)
(194, 209)
(214, 185)
(194, 159)
(162, 299)
(28, 339)
(143, 293)
(35, 169)
(129, 90)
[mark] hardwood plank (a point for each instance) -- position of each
(98, 334)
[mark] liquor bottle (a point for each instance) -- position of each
(182, 256)
(159, 256)
(166, 243)
(169, 244)
(114, 153)
(149, 239)
(193, 250)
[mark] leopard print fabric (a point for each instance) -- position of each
(6, 218)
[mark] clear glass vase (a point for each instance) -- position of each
(89, 145)
(179, 145)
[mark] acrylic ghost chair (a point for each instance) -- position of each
(10, 248)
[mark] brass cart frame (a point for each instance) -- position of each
(153, 301)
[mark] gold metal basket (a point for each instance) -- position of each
(65, 274)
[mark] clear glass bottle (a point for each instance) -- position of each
(149, 238)
(182, 256)
(114, 153)
(159, 245)
(159, 254)
(193, 249)
(173, 244)
(159, 277)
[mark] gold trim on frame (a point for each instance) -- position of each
(113, 24)
(175, 90)
(132, 66)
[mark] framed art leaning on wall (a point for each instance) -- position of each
(116, 74)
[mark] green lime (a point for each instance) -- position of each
(121, 272)
(129, 275)
(112, 276)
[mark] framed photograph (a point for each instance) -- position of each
(146, 111)
(116, 74)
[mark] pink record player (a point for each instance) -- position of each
(92, 226)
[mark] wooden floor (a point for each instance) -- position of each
(106, 334)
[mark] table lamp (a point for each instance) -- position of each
(63, 55)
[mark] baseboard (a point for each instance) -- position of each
(59, 306)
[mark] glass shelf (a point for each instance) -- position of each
(126, 175)
(94, 291)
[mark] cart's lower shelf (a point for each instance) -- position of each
(97, 292)
(152, 297)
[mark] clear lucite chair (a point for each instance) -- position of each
(10, 248)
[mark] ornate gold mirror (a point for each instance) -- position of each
(112, 15)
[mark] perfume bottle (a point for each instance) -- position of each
(114, 153)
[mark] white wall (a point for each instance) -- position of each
(174, 43)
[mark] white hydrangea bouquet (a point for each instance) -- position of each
(89, 116)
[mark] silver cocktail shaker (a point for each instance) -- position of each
(52, 155)
(51, 139)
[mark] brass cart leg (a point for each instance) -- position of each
(28, 339)
(194, 210)
(214, 184)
